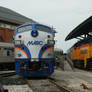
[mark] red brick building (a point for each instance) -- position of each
(8, 21)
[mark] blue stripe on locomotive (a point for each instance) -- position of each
(33, 27)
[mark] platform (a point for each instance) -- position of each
(74, 80)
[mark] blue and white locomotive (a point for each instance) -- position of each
(34, 50)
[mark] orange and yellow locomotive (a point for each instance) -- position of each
(82, 54)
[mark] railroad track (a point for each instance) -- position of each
(13, 83)
(45, 85)
(39, 84)
(62, 88)
(6, 73)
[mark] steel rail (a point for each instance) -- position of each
(29, 84)
(62, 88)
(6, 74)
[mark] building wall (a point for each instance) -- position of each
(6, 32)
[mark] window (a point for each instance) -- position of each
(7, 26)
(24, 28)
(11, 40)
(12, 27)
(8, 53)
(2, 24)
(42, 28)
(1, 40)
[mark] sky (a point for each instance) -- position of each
(63, 15)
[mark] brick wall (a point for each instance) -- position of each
(6, 34)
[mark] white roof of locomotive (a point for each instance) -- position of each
(46, 25)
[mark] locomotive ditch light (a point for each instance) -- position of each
(18, 42)
(51, 42)
(46, 67)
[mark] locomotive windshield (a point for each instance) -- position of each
(42, 28)
(24, 28)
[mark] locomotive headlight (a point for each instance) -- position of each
(34, 33)
(34, 60)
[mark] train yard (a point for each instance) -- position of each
(31, 62)
(39, 68)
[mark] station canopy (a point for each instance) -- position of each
(11, 16)
(85, 28)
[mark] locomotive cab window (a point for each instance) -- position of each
(42, 28)
(25, 28)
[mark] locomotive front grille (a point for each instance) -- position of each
(34, 65)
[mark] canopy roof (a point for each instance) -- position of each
(83, 29)
(12, 16)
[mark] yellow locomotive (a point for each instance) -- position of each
(82, 56)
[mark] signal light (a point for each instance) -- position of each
(48, 36)
(19, 36)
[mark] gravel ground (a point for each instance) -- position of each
(18, 88)
(15, 84)
(14, 80)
